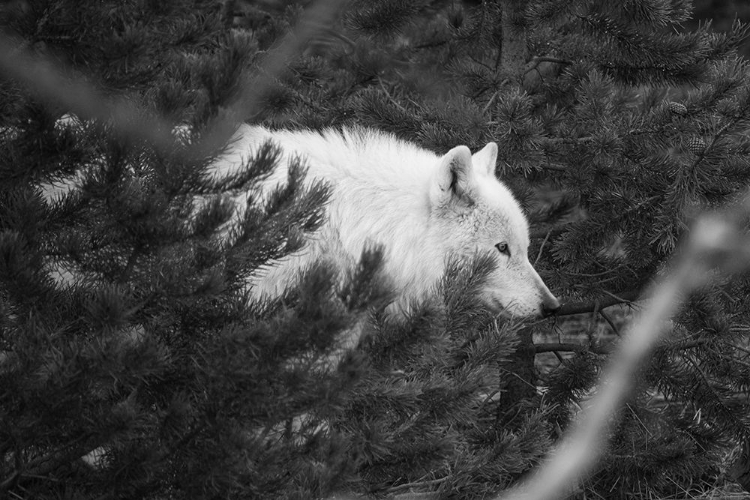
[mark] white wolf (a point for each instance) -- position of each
(422, 209)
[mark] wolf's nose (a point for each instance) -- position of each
(550, 308)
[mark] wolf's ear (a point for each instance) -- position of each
(453, 177)
(484, 160)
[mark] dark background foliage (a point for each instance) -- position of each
(132, 363)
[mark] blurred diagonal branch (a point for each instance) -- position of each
(717, 243)
(58, 86)
(316, 19)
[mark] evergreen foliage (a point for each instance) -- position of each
(126, 334)
(132, 363)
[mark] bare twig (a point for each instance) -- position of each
(541, 247)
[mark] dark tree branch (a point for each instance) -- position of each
(589, 306)
(571, 347)
(558, 347)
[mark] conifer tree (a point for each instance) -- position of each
(132, 361)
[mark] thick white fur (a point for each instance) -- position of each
(421, 207)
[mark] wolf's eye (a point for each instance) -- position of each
(503, 248)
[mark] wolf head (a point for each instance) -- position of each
(471, 211)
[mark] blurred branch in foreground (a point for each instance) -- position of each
(56, 86)
(316, 19)
(717, 243)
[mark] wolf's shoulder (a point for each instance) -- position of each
(346, 136)
(357, 154)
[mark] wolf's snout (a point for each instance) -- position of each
(550, 306)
